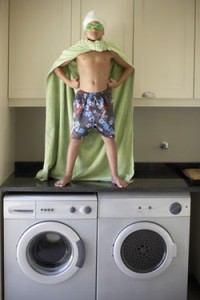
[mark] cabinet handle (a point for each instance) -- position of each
(149, 95)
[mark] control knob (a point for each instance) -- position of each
(72, 209)
(87, 209)
(175, 208)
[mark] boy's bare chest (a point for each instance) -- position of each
(94, 57)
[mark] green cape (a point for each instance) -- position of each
(91, 163)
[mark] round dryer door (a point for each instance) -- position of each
(50, 252)
(143, 250)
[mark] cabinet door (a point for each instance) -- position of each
(197, 52)
(118, 16)
(164, 48)
(39, 31)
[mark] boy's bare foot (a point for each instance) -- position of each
(63, 181)
(121, 183)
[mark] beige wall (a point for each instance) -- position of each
(178, 126)
(7, 119)
(29, 137)
(7, 146)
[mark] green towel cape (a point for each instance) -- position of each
(91, 163)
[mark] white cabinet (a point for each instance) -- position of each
(164, 50)
(161, 36)
(39, 31)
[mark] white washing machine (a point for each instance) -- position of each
(50, 246)
(143, 245)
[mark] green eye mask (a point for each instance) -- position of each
(97, 26)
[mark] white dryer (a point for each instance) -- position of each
(50, 246)
(143, 245)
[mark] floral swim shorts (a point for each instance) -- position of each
(93, 110)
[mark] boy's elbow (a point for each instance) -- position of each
(57, 70)
(131, 69)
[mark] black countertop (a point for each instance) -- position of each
(149, 177)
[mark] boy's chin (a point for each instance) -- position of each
(94, 39)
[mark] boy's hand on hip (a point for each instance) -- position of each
(112, 83)
(74, 83)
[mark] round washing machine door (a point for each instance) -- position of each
(143, 250)
(50, 252)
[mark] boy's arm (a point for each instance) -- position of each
(73, 83)
(128, 69)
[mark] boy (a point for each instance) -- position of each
(93, 102)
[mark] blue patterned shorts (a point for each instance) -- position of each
(93, 110)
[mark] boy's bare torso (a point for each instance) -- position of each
(94, 70)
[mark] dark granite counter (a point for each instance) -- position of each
(30, 185)
(148, 177)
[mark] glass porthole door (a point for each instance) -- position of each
(50, 252)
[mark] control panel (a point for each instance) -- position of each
(50, 206)
(66, 209)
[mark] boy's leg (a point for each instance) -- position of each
(72, 153)
(111, 151)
